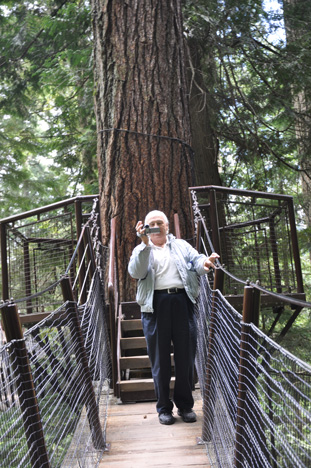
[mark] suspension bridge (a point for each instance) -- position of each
(76, 387)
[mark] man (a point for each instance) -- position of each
(167, 270)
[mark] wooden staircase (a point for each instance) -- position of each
(135, 381)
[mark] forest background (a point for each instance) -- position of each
(249, 76)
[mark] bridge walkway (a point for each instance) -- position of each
(137, 440)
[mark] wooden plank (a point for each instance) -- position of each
(135, 362)
(138, 362)
(138, 440)
(130, 310)
(130, 325)
(34, 318)
(133, 343)
(137, 397)
(135, 385)
(134, 397)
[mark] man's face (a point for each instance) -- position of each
(157, 221)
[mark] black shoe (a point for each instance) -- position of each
(188, 416)
(166, 418)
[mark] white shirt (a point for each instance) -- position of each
(166, 273)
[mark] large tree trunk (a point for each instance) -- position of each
(204, 139)
(142, 116)
(296, 27)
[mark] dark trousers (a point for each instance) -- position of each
(172, 321)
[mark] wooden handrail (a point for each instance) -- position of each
(118, 351)
(113, 300)
(112, 251)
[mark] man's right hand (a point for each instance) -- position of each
(140, 229)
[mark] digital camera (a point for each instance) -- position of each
(149, 230)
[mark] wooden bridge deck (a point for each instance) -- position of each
(138, 440)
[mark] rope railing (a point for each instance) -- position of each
(256, 395)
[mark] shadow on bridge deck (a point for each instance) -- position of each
(138, 440)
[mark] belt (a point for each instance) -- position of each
(170, 290)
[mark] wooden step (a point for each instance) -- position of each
(137, 362)
(130, 310)
(139, 390)
(140, 385)
(131, 325)
(138, 342)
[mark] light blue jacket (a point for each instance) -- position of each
(188, 262)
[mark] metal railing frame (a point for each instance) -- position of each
(250, 314)
(5, 222)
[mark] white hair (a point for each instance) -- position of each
(156, 213)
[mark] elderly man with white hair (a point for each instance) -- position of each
(167, 271)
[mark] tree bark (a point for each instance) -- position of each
(204, 138)
(296, 27)
(143, 125)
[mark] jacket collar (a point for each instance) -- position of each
(170, 238)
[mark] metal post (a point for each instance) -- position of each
(27, 276)
(293, 231)
(78, 211)
(275, 256)
(214, 221)
(25, 387)
(4, 263)
(251, 304)
(198, 236)
(91, 407)
(88, 263)
(90, 252)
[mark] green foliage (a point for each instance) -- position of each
(252, 72)
(46, 110)
(252, 76)
(15, 438)
(47, 128)
(297, 339)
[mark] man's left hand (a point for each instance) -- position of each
(210, 262)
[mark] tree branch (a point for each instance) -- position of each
(26, 49)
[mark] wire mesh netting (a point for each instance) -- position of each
(254, 238)
(38, 252)
(61, 385)
(55, 382)
(263, 420)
